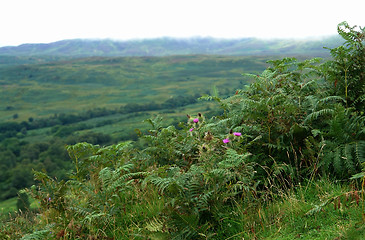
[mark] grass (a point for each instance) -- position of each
(287, 216)
(40, 90)
(9, 205)
(77, 85)
(283, 216)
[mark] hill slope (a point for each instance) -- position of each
(172, 46)
(34, 90)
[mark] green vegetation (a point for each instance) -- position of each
(100, 101)
(284, 159)
(42, 90)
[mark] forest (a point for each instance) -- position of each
(279, 157)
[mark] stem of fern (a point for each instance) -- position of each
(346, 86)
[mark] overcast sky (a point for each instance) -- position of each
(43, 21)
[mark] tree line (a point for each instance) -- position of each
(12, 129)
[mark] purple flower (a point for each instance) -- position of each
(196, 120)
(226, 140)
(237, 134)
(191, 129)
(49, 199)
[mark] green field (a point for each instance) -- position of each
(74, 86)
(41, 90)
(9, 206)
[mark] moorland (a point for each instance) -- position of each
(164, 139)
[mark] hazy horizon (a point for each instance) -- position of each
(315, 38)
(44, 21)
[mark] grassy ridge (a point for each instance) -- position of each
(173, 46)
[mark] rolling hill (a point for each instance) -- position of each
(173, 46)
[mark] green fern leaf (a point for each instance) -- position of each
(155, 225)
(315, 115)
(40, 234)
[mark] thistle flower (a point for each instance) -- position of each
(196, 120)
(237, 133)
(191, 129)
(226, 140)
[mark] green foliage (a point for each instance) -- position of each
(269, 167)
(345, 144)
(19, 158)
(271, 113)
(96, 195)
(97, 84)
(346, 70)
(39, 235)
(23, 203)
(63, 102)
(200, 176)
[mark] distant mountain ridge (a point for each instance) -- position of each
(173, 46)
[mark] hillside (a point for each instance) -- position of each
(172, 46)
(100, 100)
(47, 101)
(36, 90)
(283, 158)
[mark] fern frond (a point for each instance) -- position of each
(331, 99)
(337, 162)
(125, 168)
(193, 188)
(203, 201)
(348, 159)
(218, 174)
(360, 151)
(318, 208)
(277, 146)
(81, 211)
(308, 85)
(96, 217)
(315, 115)
(40, 234)
(164, 184)
(106, 175)
(41, 176)
(187, 225)
(155, 225)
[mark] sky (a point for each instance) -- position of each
(44, 21)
